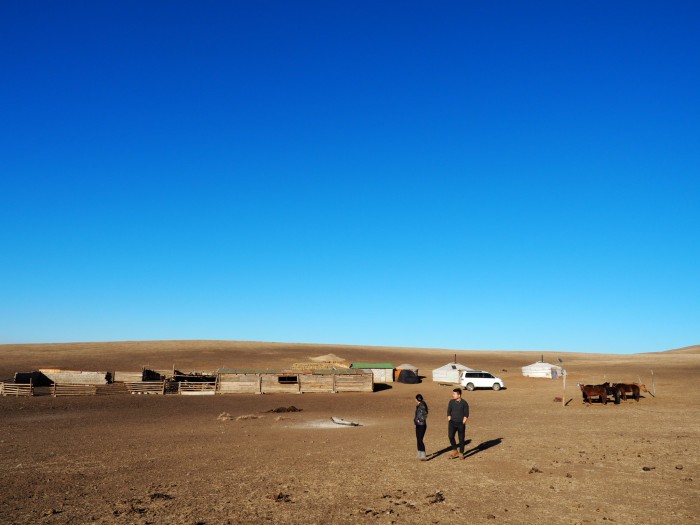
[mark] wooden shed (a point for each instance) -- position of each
(382, 372)
(76, 377)
(292, 381)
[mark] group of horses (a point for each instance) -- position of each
(616, 390)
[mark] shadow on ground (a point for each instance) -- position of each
(470, 452)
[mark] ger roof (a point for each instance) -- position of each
(541, 364)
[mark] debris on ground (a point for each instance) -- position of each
(341, 421)
(438, 497)
(160, 495)
(282, 498)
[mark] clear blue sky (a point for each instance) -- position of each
(462, 175)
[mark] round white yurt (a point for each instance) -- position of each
(449, 373)
(542, 369)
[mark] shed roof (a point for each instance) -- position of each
(371, 365)
(288, 372)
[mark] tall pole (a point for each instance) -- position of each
(563, 397)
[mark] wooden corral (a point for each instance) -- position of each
(73, 390)
(76, 377)
(187, 388)
(225, 382)
(15, 389)
(35, 377)
(146, 387)
(127, 377)
(293, 381)
(351, 381)
(231, 382)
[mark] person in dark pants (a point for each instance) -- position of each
(457, 415)
(420, 419)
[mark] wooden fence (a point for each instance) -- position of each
(317, 383)
(244, 382)
(146, 387)
(350, 383)
(292, 382)
(73, 390)
(186, 388)
(239, 384)
(127, 377)
(16, 389)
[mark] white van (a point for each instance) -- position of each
(471, 379)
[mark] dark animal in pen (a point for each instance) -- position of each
(613, 391)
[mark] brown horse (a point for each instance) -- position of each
(629, 388)
(589, 391)
(614, 391)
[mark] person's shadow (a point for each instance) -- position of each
(467, 453)
(482, 446)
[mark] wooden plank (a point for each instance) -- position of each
(238, 378)
(198, 392)
(111, 389)
(127, 377)
(75, 377)
(17, 390)
(146, 387)
(199, 388)
(363, 383)
(316, 383)
(239, 387)
(73, 390)
(270, 385)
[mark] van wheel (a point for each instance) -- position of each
(496, 386)
(470, 386)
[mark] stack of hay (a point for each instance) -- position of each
(323, 362)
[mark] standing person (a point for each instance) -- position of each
(457, 415)
(420, 419)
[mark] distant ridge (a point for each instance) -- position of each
(694, 349)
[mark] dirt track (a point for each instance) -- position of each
(154, 459)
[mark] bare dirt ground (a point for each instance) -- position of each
(128, 459)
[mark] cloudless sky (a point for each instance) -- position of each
(461, 175)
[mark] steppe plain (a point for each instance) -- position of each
(128, 459)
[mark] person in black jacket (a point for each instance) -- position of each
(420, 419)
(457, 416)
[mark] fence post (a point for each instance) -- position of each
(563, 397)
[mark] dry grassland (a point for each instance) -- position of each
(172, 460)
